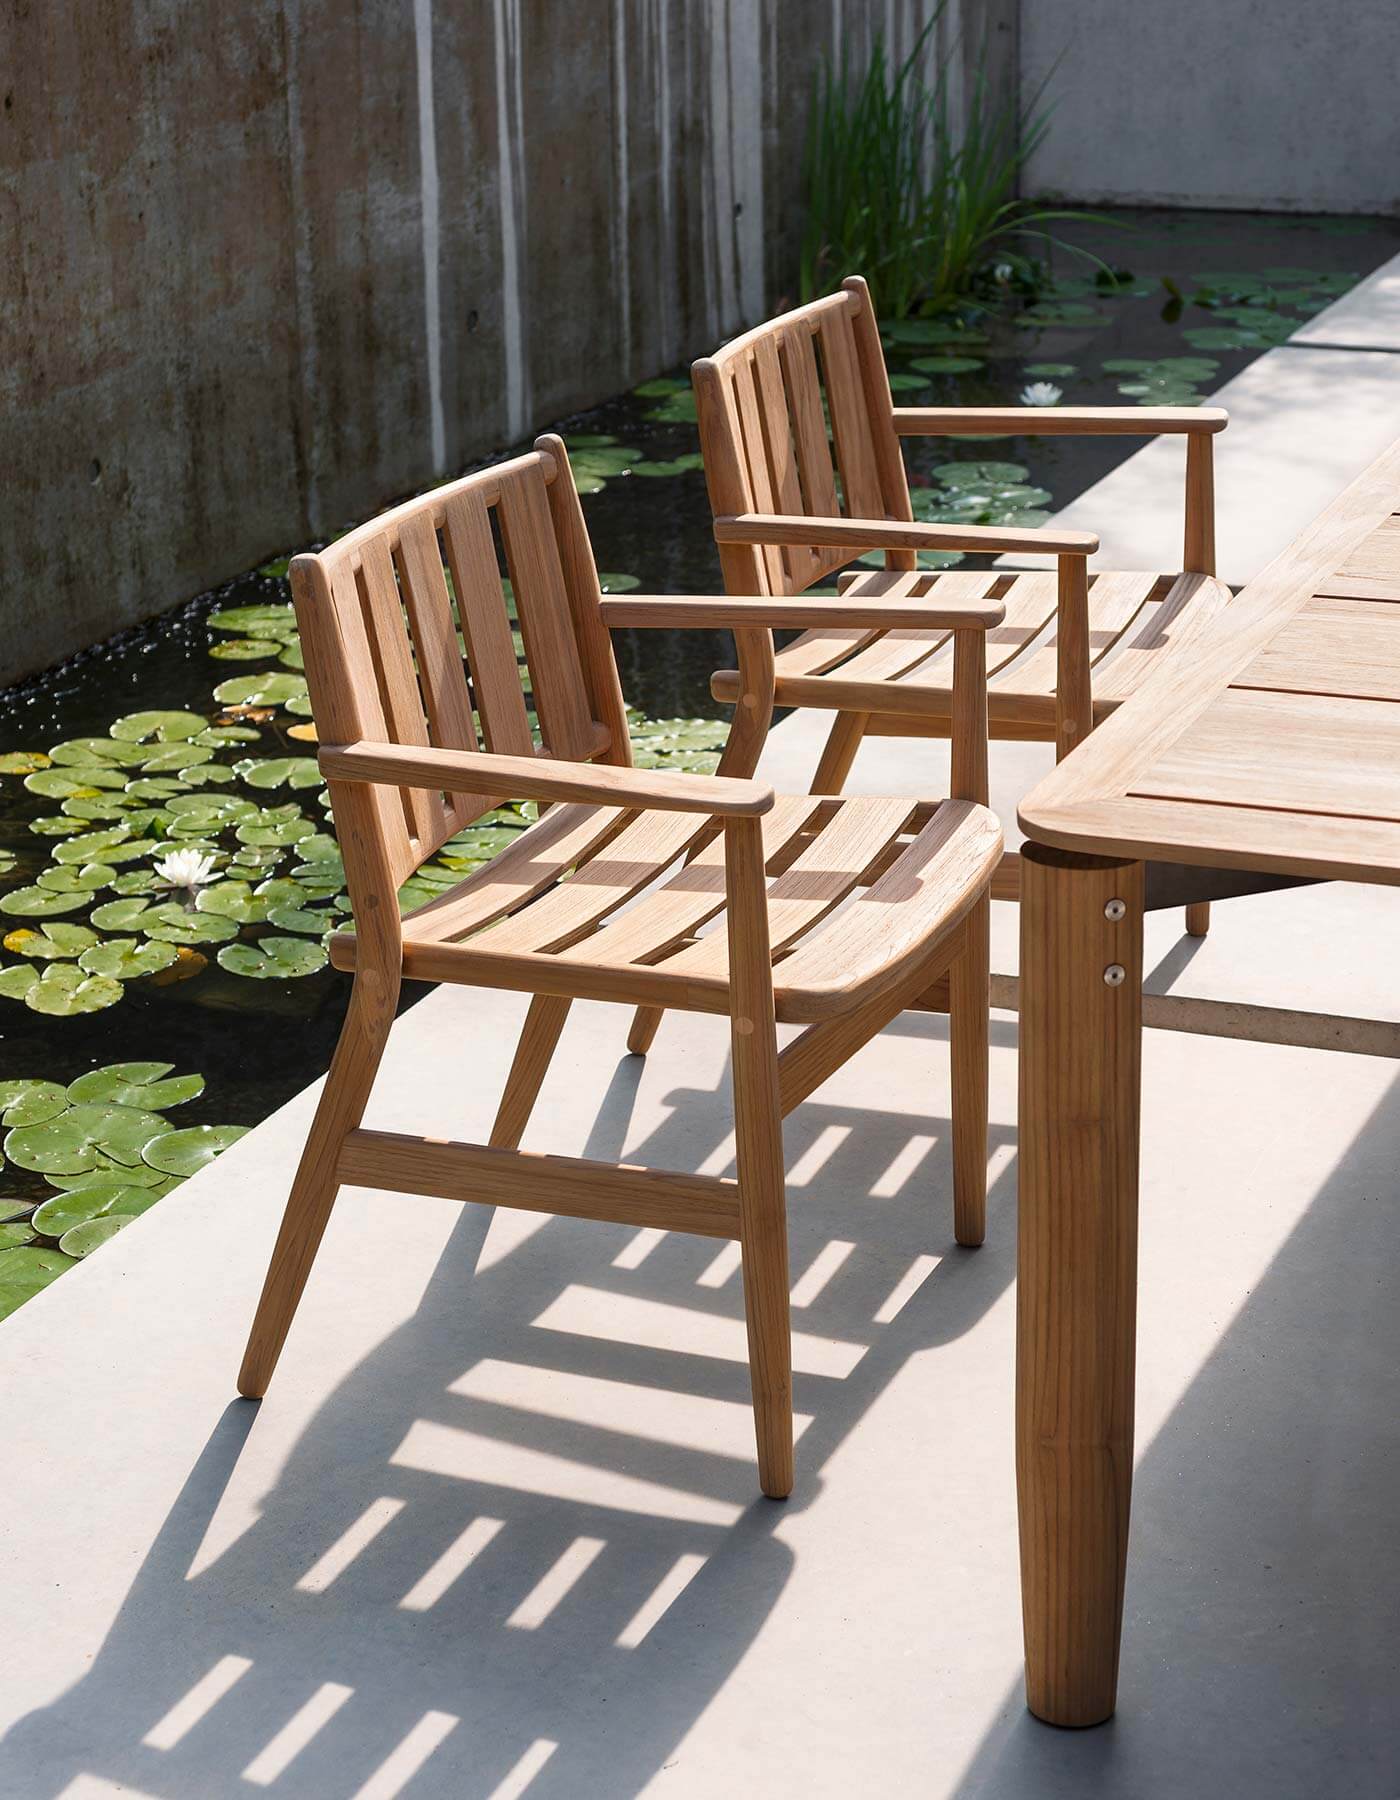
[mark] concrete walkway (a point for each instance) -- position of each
(494, 1531)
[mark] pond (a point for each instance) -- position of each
(148, 1014)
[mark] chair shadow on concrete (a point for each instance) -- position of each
(521, 1546)
(1259, 1645)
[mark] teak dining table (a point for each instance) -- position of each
(1269, 742)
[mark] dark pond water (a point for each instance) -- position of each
(1194, 298)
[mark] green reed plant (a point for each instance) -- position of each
(895, 192)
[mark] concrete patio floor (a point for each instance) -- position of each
(495, 1530)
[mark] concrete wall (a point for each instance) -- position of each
(1285, 105)
(267, 266)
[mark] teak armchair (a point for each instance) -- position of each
(1073, 645)
(607, 896)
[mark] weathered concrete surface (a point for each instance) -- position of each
(266, 267)
(1281, 105)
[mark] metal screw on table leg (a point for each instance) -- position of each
(1115, 975)
(1114, 910)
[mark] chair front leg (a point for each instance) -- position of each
(1074, 705)
(969, 1034)
(758, 1130)
(316, 1183)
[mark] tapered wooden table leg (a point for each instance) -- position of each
(1080, 1069)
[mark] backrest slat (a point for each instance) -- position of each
(495, 674)
(808, 426)
(542, 606)
(605, 702)
(398, 681)
(850, 423)
(760, 481)
(782, 461)
(442, 674)
(879, 409)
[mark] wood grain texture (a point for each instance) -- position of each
(539, 1037)
(1080, 1050)
(531, 778)
(969, 1038)
(758, 1135)
(861, 533)
(1127, 746)
(1058, 421)
(572, 1186)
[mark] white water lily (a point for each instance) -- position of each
(186, 868)
(1041, 393)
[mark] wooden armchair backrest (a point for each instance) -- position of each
(795, 417)
(407, 630)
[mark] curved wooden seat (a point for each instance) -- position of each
(903, 679)
(620, 919)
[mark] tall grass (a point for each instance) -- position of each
(893, 193)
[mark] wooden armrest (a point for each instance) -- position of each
(801, 613)
(896, 534)
(1050, 421)
(540, 778)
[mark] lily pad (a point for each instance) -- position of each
(148, 1084)
(42, 902)
(24, 1272)
(166, 920)
(85, 879)
(255, 621)
(55, 942)
(212, 812)
(273, 958)
(31, 1102)
(17, 979)
(184, 1152)
(167, 727)
(92, 1234)
(83, 1138)
(677, 465)
(93, 846)
(218, 735)
(232, 900)
(244, 649)
(107, 751)
(127, 958)
(270, 689)
(63, 783)
(277, 827)
(22, 762)
(95, 1200)
(279, 771)
(64, 990)
(947, 365)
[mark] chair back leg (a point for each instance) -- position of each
(840, 752)
(316, 1183)
(538, 1039)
